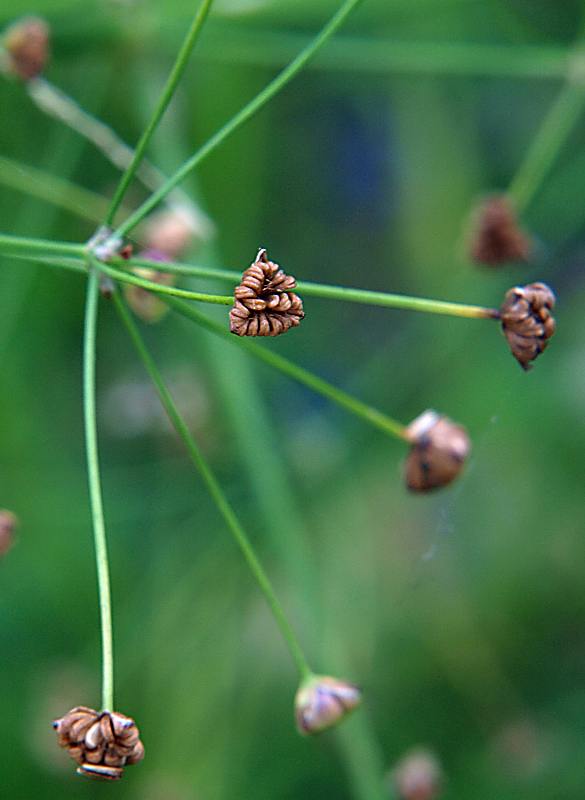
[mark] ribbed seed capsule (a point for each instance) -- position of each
(321, 702)
(438, 452)
(102, 743)
(497, 237)
(26, 43)
(264, 303)
(527, 321)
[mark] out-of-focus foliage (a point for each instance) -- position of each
(463, 614)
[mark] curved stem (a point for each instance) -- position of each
(95, 492)
(216, 492)
(162, 105)
(351, 404)
(547, 143)
(246, 113)
(158, 288)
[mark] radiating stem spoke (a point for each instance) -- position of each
(225, 509)
(95, 492)
(284, 365)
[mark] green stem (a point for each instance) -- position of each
(344, 293)
(547, 144)
(383, 56)
(64, 194)
(246, 113)
(15, 244)
(162, 105)
(158, 288)
(216, 492)
(95, 492)
(70, 264)
(351, 404)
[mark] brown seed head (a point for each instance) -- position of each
(527, 321)
(265, 304)
(322, 702)
(497, 237)
(101, 742)
(146, 304)
(27, 47)
(8, 525)
(418, 776)
(438, 452)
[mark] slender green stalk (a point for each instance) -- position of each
(158, 288)
(162, 105)
(14, 244)
(216, 492)
(547, 144)
(70, 264)
(246, 113)
(58, 105)
(24, 244)
(383, 56)
(95, 492)
(351, 404)
(347, 294)
(66, 195)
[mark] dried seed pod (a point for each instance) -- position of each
(8, 525)
(101, 742)
(497, 237)
(527, 321)
(418, 776)
(322, 702)
(265, 304)
(438, 452)
(26, 43)
(144, 303)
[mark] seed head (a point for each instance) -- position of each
(497, 237)
(26, 43)
(438, 452)
(527, 321)
(321, 702)
(418, 776)
(101, 742)
(8, 525)
(265, 304)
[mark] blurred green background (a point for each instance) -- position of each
(462, 614)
